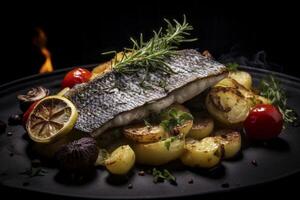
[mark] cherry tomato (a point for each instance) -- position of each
(76, 76)
(263, 122)
(27, 113)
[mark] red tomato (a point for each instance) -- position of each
(27, 113)
(76, 76)
(263, 122)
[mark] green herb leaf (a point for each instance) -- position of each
(34, 171)
(168, 142)
(271, 89)
(176, 118)
(183, 117)
(232, 66)
(161, 176)
(151, 55)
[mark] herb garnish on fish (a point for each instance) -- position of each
(151, 55)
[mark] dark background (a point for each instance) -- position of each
(78, 33)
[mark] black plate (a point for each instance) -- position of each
(277, 159)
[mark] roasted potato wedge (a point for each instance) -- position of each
(206, 153)
(159, 153)
(144, 134)
(242, 77)
(227, 105)
(203, 125)
(121, 160)
(185, 127)
(101, 69)
(231, 141)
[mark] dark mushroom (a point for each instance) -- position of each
(78, 156)
(33, 95)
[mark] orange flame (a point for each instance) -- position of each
(41, 41)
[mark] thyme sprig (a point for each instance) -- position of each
(162, 175)
(151, 55)
(271, 89)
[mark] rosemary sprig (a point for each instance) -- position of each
(271, 89)
(151, 55)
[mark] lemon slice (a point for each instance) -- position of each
(52, 118)
(63, 91)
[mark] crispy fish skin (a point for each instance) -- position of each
(115, 99)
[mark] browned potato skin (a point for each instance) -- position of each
(101, 69)
(220, 102)
(227, 105)
(231, 142)
(143, 134)
(203, 125)
(121, 160)
(242, 77)
(205, 153)
(156, 153)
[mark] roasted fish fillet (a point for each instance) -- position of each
(114, 99)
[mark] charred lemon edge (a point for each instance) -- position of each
(68, 126)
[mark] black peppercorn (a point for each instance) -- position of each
(130, 186)
(225, 185)
(15, 120)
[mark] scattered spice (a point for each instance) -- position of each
(254, 163)
(224, 136)
(9, 133)
(191, 181)
(141, 173)
(11, 154)
(15, 119)
(225, 185)
(130, 186)
(2, 126)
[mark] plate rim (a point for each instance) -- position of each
(263, 72)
